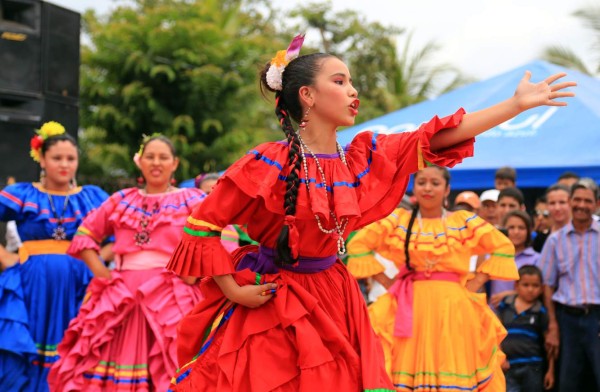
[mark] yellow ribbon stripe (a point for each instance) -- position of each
(198, 222)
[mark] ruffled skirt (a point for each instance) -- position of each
(314, 334)
(38, 299)
(455, 343)
(124, 336)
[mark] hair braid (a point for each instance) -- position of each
(293, 179)
(411, 223)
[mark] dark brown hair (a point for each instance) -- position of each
(525, 218)
(298, 73)
(163, 139)
(52, 140)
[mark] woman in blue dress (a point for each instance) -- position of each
(42, 288)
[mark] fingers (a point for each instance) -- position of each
(526, 77)
(553, 78)
(268, 289)
(562, 85)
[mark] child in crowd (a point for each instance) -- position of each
(518, 228)
(526, 321)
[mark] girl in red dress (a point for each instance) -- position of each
(287, 315)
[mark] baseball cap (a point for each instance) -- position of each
(490, 194)
(469, 198)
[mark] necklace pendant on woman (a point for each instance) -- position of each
(142, 237)
(59, 233)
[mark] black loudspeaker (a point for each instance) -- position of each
(39, 78)
(60, 52)
(20, 47)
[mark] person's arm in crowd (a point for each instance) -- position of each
(549, 377)
(549, 266)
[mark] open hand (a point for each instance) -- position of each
(530, 95)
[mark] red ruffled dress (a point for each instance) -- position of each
(124, 335)
(314, 334)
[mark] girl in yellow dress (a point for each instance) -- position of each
(437, 332)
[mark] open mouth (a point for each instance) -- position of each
(354, 107)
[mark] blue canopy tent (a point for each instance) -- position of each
(541, 143)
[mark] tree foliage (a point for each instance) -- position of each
(186, 69)
(566, 57)
(189, 69)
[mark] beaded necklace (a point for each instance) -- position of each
(59, 233)
(340, 226)
(142, 237)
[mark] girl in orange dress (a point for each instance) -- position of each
(437, 332)
(287, 315)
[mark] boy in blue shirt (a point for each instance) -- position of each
(525, 318)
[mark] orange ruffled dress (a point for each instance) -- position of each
(455, 336)
(314, 334)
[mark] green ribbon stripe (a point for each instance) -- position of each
(199, 233)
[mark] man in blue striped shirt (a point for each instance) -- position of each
(570, 263)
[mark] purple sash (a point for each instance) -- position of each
(263, 262)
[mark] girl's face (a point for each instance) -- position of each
(431, 188)
(333, 100)
(158, 164)
(517, 231)
(60, 162)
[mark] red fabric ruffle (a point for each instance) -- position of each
(199, 256)
(294, 340)
(393, 158)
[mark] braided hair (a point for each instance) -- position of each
(298, 73)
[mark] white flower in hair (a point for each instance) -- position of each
(281, 60)
(275, 77)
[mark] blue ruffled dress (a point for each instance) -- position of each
(40, 295)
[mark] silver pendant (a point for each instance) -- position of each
(59, 233)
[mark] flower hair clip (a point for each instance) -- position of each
(145, 139)
(281, 60)
(49, 129)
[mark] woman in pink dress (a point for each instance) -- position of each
(124, 335)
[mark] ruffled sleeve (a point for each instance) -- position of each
(95, 228)
(383, 163)
(486, 239)
(200, 251)
(362, 247)
(12, 200)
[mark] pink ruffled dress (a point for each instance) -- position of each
(124, 335)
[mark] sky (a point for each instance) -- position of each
(482, 38)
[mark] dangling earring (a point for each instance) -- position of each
(73, 183)
(141, 180)
(173, 182)
(304, 121)
(42, 176)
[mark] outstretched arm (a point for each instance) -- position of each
(527, 96)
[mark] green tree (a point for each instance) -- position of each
(566, 57)
(186, 69)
